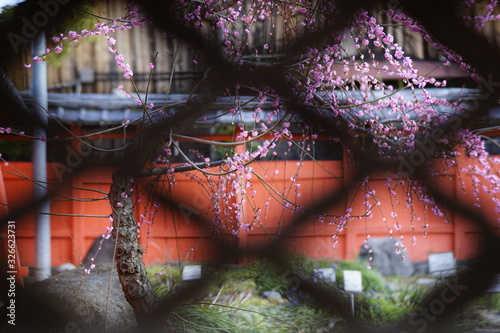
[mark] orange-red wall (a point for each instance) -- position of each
(176, 236)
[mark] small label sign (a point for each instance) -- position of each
(191, 272)
(442, 263)
(328, 274)
(353, 281)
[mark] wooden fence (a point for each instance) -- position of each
(81, 213)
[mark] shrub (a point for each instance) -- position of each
(373, 281)
(392, 306)
(382, 311)
(269, 277)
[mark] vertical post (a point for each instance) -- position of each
(42, 220)
(352, 304)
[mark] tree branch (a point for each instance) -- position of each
(181, 168)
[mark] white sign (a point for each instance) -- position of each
(192, 272)
(353, 281)
(328, 274)
(442, 263)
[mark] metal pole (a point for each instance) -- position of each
(42, 220)
(352, 304)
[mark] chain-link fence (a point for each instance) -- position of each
(433, 314)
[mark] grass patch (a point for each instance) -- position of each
(199, 319)
(234, 300)
(234, 303)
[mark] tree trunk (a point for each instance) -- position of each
(131, 269)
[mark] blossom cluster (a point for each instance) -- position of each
(106, 29)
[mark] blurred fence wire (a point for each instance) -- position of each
(440, 20)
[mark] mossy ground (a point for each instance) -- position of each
(234, 300)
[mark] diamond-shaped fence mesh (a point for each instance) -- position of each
(434, 312)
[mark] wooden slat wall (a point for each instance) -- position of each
(140, 45)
